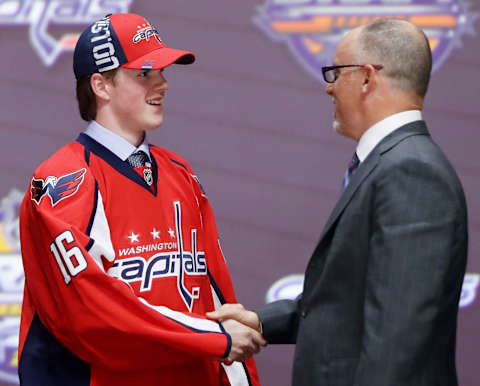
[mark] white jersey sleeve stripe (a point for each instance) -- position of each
(235, 372)
(197, 324)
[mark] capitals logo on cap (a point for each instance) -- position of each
(124, 40)
(145, 33)
(312, 29)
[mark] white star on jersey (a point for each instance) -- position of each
(133, 237)
(155, 234)
(171, 233)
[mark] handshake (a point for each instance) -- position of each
(244, 328)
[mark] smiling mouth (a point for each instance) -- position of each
(155, 102)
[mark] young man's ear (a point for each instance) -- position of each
(100, 86)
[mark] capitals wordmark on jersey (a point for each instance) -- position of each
(178, 263)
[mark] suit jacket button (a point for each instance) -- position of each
(304, 313)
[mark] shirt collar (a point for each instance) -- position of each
(113, 142)
(381, 129)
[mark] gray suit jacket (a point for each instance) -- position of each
(380, 299)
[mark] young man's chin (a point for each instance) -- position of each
(154, 125)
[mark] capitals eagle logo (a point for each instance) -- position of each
(56, 188)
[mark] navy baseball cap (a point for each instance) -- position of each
(123, 40)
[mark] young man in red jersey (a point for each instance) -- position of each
(119, 243)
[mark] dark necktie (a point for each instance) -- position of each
(141, 163)
(351, 168)
(138, 159)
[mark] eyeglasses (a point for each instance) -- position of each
(331, 73)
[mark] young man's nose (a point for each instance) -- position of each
(160, 81)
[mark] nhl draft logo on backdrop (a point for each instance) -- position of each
(289, 287)
(312, 29)
(11, 285)
(40, 15)
(56, 188)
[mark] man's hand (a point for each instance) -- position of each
(245, 341)
(244, 328)
(236, 312)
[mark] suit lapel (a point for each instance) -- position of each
(369, 164)
(363, 170)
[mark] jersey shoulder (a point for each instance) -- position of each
(64, 174)
(67, 159)
(171, 156)
(180, 164)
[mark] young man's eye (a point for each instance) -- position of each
(143, 74)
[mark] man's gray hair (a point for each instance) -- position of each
(402, 49)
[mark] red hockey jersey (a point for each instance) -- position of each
(119, 275)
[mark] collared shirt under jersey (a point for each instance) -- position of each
(381, 129)
(113, 142)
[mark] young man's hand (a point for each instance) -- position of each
(244, 328)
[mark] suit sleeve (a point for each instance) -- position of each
(91, 313)
(415, 269)
(280, 321)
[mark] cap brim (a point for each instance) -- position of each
(161, 58)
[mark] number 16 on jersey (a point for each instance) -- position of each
(70, 261)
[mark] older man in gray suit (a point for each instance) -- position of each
(380, 300)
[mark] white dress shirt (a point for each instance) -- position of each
(381, 129)
(113, 142)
